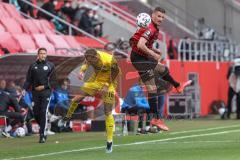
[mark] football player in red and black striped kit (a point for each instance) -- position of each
(147, 61)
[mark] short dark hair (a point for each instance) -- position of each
(90, 52)
(40, 49)
(159, 9)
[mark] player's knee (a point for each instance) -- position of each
(147, 75)
(161, 69)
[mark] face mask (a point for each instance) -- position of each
(90, 15)
(55, 2)
(67, 4)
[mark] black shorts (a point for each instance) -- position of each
(144, 65)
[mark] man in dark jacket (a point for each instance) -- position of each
(38, 77)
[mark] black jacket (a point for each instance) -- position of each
(39, 74)
(7, 100)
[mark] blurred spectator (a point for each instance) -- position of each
(61, 100)
(135, 103)
(2, 85)
(68, 10)
(50, 7)
(79, 12)
(172, 50)
(20, 82)
(14, 2)
(86, 21)
(25, 8)
(97, 24)
(7, 101)
(11, 88)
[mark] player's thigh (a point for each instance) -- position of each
(160, 67)
(151, 85)
(109, 97)
(91, 87)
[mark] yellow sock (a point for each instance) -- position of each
(109, 127)
(71, 109)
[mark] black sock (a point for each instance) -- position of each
(140, 120)
(149, 117)
(153, 102)
(168, 77)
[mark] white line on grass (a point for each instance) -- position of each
(119, 145)
(205, 129)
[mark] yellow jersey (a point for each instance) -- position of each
(103, 69)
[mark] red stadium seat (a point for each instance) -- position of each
(57, 41)
(29, 26)
(44, 26)
(41, 41)
(2, 29)
(7, 41)
(26, 42)
(3, 12)
(12, 11)
(11, 25)
(73, 43)
(89, 42)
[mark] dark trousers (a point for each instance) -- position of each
(13, 117)
(40, 109)
(231, 94)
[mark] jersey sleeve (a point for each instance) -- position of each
(147, 34)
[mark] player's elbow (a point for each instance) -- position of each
(140, 45)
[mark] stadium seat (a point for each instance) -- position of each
(46, 27)
(2, 29)
(73, 43)
(89, 42)
(26, 42)
(29, 26)
(11, 25)
(41, 41)
(57, 41)
(7, 41)
(12, 11)
(3, 12)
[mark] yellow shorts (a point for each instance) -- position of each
(92, 88)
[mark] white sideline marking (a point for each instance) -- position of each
(208, 129)
(119, 145)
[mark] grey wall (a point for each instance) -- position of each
(224, 18)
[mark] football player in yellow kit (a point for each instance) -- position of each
(102, 82)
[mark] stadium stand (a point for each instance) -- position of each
(30, 26)
(41, 41)
(26, 42)
(3, 12)
(2, 29)
(12, 11)
(7, 41)
(11, 25)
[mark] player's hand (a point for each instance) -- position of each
(39, 88)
